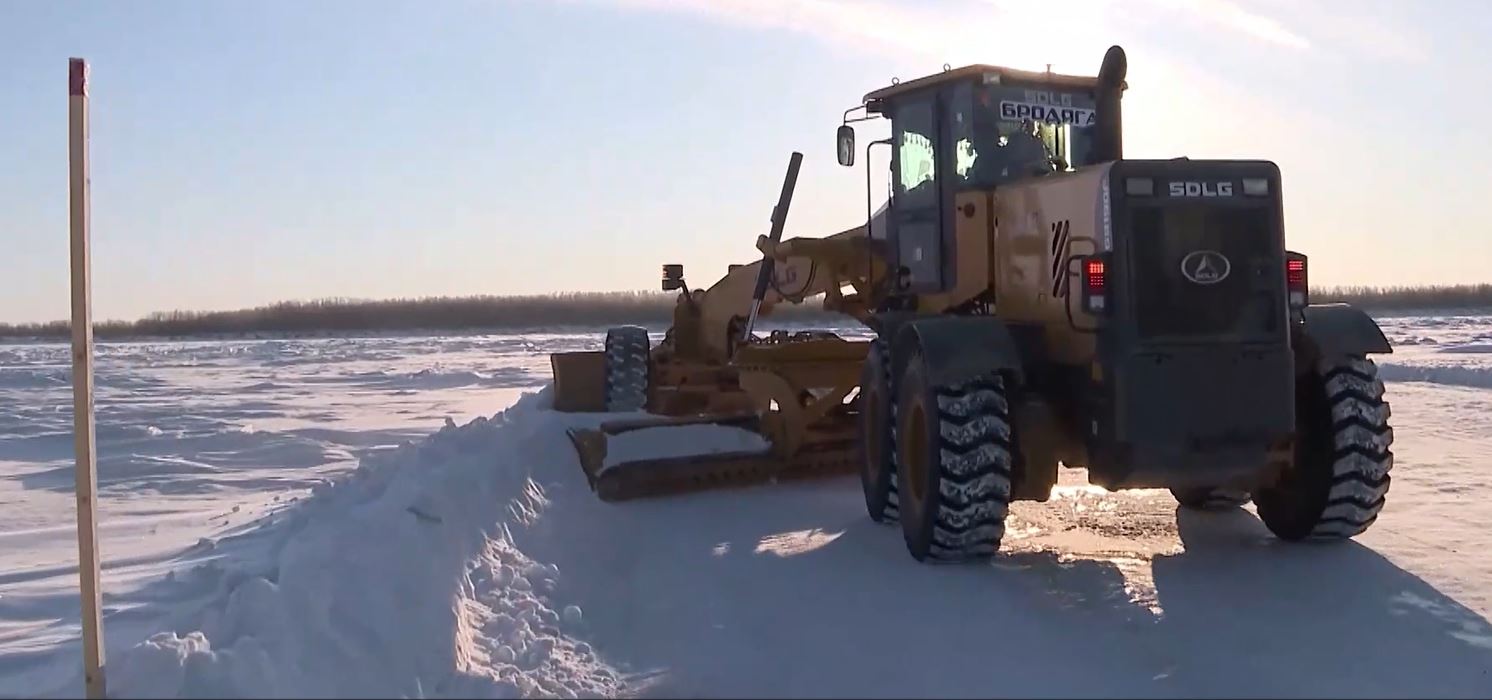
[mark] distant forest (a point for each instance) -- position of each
(587, 310)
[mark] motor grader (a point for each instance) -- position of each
(1036, 300)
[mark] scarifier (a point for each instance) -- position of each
(1034, 299)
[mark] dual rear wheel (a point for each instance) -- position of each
(939, 458)
(1340, 478)
(1343, 457)
(877, 443)
(936, 458)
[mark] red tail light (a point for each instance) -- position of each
(1295, 272)
(1295, 280)
(1093, 272)
(1095, 289)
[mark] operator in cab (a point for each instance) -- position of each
(1026, 152)
(1000, 159)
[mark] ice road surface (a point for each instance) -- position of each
(403, 517)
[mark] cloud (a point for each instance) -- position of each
(1024, 34)
(1381, 30)
(952, 31)
(1374, 29)
(836, 20)
(1230, 15)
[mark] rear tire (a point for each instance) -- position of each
(877, 435)
(1341, 476)
(1210, 498)
(627, 369)
(953, 465)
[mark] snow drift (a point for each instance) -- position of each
(401, 580)
(1479, 377)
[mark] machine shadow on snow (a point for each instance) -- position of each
(1314, 619)
(1238, 612)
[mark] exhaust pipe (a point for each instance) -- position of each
(1109, 139)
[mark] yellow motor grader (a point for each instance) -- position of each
(1035, 299)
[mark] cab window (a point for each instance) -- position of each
(916, 149)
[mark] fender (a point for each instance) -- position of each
(886, 324)
(1332, 330)
(957, 348)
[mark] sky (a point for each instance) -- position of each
(246, 152)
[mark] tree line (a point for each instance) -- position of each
(585, 309)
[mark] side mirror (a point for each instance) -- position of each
(845, 144)
(673, 277)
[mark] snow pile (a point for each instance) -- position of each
(401, 580)
(1469, 348)
(1449, 351)
(681, 440)
(1451, 374)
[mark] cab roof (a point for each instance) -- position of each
(989, 74)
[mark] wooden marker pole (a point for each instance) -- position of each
(82, 328)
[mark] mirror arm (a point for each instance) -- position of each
(867, 116)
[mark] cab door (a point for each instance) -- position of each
(920, 192)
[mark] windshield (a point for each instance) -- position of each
(1015, 132)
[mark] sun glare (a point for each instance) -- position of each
(789, 544)
(1024, 36)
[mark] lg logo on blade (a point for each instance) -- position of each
(1201, 189)
(1206, 267)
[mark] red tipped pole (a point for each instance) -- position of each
(82, 331)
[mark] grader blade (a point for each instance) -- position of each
(591, 443)
(826, 455)
(579, 381)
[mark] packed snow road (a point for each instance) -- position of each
(276, 523)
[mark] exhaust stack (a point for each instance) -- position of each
(1110, 137)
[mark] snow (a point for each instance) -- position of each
(1458, 353)
(404, 517)
(395, 580)
(680, 440)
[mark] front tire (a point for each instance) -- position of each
(627, 369)
(877, 435)
(953, 465)
(1341, 474)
